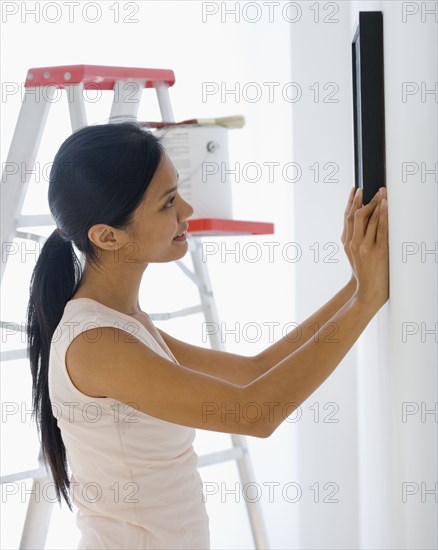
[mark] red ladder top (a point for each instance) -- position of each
(218, 226)
(95, 76)
(103, 78)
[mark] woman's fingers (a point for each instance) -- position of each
(361, 217)
(371, 229)
(355, 204)
(350, 200)
(382, 229)
(382, 192)
(369, 249)
(346, 211)
(357, 200)
(353, 207)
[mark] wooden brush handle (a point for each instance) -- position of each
(163, 124)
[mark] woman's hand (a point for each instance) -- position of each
(353, 204)
(347, 232)
(369, 250)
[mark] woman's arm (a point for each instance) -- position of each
(286, 385)
(297, 337)
(296, 377)
(120, 367)
(240, 369)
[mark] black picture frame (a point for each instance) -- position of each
(368, 104)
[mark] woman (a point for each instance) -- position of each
(120, 399)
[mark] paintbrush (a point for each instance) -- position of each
(236, 121)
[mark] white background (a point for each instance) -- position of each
(233, 53)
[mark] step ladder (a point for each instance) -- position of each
(127, 84)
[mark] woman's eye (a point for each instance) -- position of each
(171, 202)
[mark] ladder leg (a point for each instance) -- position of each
(21, 159)
(246, 475)
(127, 96)
(243, 462)
(39, 511)
(163, 97)
(76, 105)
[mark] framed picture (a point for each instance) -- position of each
(368, 103)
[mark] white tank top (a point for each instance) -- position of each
(134, 477)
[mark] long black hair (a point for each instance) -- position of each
(99, 175)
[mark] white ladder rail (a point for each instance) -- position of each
(239, 442)
(22, 155)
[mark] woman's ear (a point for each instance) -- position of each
(104, 237)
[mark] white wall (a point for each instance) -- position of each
(371, 452)
(403, 450)
(322, 132)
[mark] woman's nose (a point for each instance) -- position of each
(188, 210)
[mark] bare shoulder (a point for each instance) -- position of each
(82, 358)
(110, 362)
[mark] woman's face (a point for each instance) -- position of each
(160, 217)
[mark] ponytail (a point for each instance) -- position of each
(124, 158)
